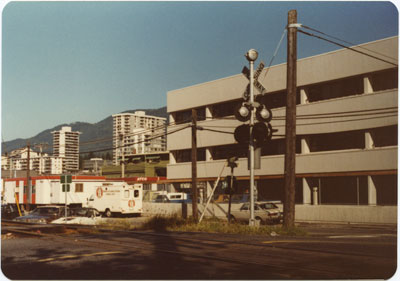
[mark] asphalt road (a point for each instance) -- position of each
(328, 252)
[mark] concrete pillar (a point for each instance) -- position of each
(367, 85)
(371, 192)
(306, 192)
(305, 145)
(369, 140)
(171, 118)
(315, 195)
(303, 96)
(208, 155)
(172, 159)
(208, 112)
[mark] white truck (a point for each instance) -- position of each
(121, 198)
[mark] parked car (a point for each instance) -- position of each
(265, 212)
(161, 199)
(42, 214)
(85, 216)
(8, 212)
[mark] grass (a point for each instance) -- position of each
(117, 224)
(213, 225)
(173, 223)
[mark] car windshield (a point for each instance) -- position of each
(267, 206)
(82, 212)
(45, 211)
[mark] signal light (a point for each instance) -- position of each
(261, 133)
(242, 113)
(263, 114)
(242, 134)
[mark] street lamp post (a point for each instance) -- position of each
(251, 56)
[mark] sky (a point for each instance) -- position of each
(64, 62)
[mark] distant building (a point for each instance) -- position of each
(66, 146)
(140, 165)
(95, 165)
(137, 133)
(17, 160)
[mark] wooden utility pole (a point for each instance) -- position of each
(28, 176)
(194, 164)
(290, 154)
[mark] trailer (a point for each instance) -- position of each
(110, 199)
(47, 190)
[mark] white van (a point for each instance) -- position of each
(113, 199)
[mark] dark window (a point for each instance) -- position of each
(386, 189)
(183, 116)
(274, 100)
(385, 136)
(186, 115)
(227, 151)
(384, 80)
(339, 190)
(225, 109)
(337, 141)
(186, 155)
(335, 89)
(278, 147)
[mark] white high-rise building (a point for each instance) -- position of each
(66, 146)
(137, 133)
(42, 163)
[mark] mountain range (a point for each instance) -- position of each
(95, 138)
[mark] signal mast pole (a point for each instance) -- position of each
(251, 56)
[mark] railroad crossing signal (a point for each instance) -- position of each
(257, 84)
(260, 132)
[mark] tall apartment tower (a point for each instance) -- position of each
(66, 146)
(137, 133)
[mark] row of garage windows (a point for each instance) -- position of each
(351, 86)
(351, 190)
(385, 136)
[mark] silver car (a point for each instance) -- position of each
(265, 212)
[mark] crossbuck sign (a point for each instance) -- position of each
(257, 84)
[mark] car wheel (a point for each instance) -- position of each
(108, 213)
(259, 220)
(232, 219)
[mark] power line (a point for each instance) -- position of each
(146, 130)
(346, 47)
(347, 42)
(138, 142)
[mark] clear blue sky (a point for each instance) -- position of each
(64, 62)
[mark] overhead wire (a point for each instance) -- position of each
(347, 42)
(346, 47)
